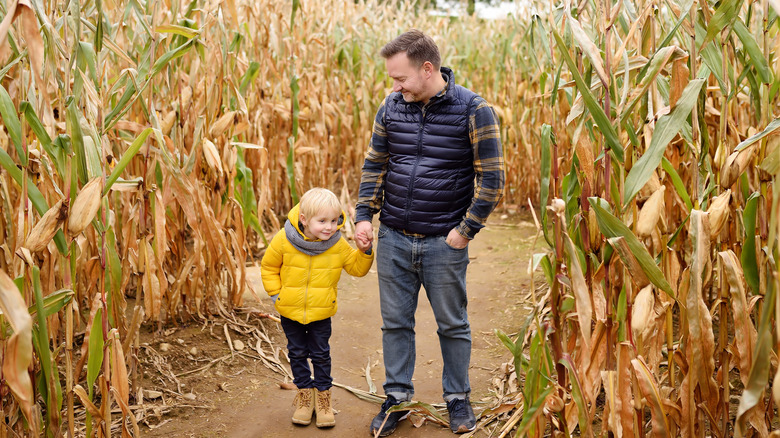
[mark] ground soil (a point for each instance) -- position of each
(239, 396)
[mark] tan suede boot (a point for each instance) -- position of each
(304, 406)
(323, 409)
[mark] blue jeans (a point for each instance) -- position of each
(309, 341)
(404, 263)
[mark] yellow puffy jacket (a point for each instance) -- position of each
(307, 285)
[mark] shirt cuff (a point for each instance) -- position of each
(363, 214)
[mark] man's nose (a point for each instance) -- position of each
(396, 87)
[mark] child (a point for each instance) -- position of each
(301, 270)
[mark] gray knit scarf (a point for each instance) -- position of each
(310, 247)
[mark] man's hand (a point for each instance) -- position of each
(364, 235)
(455, 240)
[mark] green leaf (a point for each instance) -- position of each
(170, 55)
(251, 74)
(757, 58)
(126, 157)
(665, 130)
(95, 351)
(748, 257)
(677, 183)
(546, 175)
(178, 30)
(605, 126)
(611, 226)
(532, 412)
(51, 377)
(56, 154)
(12, 124)
(53, 302)
(724, 15)
(770, 128)
(660, 59)
(73, 122)
(576, 394)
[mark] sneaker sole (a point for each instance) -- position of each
(388, 432)
(328, 424)
(301, 422)
(464, 429)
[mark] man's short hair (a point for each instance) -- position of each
(318, 200)
(418, 46)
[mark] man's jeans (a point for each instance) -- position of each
(309, 341)
(403, 264)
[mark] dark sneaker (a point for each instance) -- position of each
(461, 415)
(386, 427)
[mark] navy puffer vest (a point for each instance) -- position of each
(430, 174)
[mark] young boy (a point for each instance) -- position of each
(301, 270)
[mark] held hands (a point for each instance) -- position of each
(455, 240)
(364, 235)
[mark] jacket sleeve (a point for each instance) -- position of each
(357, 263)
(271, 265)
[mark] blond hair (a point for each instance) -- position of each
(318, 200)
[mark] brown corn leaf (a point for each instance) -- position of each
(119, 379)
(581, 294)
(744, 332)
(18, 348)
(649, 388)
(29, 29)
(12, 12)
(84, 397)
(625, 398)
(680, 78)
(588, 47)
(632, 264)
(701, 344)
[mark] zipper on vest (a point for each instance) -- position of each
(420, 130)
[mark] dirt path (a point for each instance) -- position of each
(241, 399)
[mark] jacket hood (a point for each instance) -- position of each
(295, 214)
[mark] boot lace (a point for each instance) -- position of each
(323, 401)
(303, 399)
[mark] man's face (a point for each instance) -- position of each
(411, 81)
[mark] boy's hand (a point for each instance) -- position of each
(364, 235)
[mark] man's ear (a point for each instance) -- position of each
(428, 68)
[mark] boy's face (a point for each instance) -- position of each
(321, 226)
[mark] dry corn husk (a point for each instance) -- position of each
(593, 227)
(651, 186)
(47, 227)
(85, 206)
(186, 98)
(212, 156)
(642, 312)
(167, 122)
(718, 212)
(222, 124)
(650, 213)
(735, 164)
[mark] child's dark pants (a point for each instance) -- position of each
(309, 341)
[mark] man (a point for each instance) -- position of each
(434, 170)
